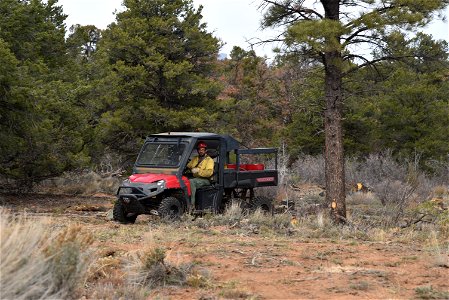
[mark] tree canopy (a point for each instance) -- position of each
(40, 132)
(69, 99)
(330, 34)
(160, 60)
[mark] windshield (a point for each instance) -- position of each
(161, 154)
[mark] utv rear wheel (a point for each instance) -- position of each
(262, 203)
(170, 207)
(120, 214)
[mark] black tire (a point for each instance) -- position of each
(170, 207)
(262, 203)
(120, 214)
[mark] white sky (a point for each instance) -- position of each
(232, 21)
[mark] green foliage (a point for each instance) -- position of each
(161, 59)
(375, 23)
(246, 107)
(305, 134)
(65, 103)
(40, 130)
(82, 41)
(324, 40)
(34, 30)
(397, 105)
(405, 110)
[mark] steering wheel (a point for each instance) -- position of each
(187, 171)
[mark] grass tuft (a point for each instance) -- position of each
(440, 250)
(149, 268)
(38, 261)
(428, 292)
(233, 212)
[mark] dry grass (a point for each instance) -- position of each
(233, 212)
(279, 223)
(428, 292)
(171, 257)
(359, 198)
(150, 268)
(81, 183)
(439, 249)
(231, 290)
(38, 261)
(397, 185)
(441, 191)
(119, 291)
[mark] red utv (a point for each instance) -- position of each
(159, 184)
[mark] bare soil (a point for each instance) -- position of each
(253, 265)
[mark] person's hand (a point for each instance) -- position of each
(195, 170)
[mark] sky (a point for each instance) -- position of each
(232, 21)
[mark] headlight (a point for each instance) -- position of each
(126, 191)
(161, 184)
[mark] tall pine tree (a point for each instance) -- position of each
(331, 33)
(160, 60)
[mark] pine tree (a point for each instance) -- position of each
(160, 60)
(39, 127)
(330, 34)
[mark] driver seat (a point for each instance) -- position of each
(206, 196)
(213, 153)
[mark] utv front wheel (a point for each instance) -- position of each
(170, 207)
(261, 203)
(120, 214)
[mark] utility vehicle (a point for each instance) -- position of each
(160, 184)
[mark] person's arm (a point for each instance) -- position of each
(193, 162)
(206, 168)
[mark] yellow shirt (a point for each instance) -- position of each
(206, 166)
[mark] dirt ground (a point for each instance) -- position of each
(253, 265)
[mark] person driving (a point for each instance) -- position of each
(202, 168)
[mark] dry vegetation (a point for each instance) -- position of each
(40, 259)
(395, 244)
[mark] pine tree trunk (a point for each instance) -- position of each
(334, 153)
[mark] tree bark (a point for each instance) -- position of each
(334, 152)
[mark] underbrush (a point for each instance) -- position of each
(235, 217)
(381, 191)
(159, 263)
(392, 181)
(43, 260)
(367, 223)
(149, 267)
(140, 273)
(86, 182)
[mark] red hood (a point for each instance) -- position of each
(149, 178)
(171, 181)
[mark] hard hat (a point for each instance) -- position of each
(201, 145)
